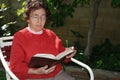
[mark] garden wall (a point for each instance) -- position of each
(107, 24)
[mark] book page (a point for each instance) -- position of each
(45, 55)
(59, 56)
(64, 53)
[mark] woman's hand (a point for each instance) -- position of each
(41, 70)
(72, 54)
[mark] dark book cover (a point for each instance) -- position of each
(37, 62)
(41, 59)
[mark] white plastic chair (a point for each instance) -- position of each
(7, 41)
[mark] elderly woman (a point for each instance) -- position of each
(35, 39)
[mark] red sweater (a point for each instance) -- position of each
(27, 44)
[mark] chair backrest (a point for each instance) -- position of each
(6, 41)
(5, 46)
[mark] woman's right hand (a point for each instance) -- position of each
(41, 70)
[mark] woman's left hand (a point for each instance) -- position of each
(72, 54)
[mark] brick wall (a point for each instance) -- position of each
(107, 25)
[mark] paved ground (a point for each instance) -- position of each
(82, 74)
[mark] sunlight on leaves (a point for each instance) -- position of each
(4, 27)
(3, 7)
(20, 11)
(2, 17)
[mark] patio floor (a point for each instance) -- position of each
(82, 74)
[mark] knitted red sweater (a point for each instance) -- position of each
(27, 44)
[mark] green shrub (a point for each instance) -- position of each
(2, 75)
(106, 56)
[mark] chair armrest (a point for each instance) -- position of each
(85, 66)
(7, 69)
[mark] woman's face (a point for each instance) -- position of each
(37, 19)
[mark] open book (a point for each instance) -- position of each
(41, 59)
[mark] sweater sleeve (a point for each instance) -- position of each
(17, 57)
(62, 48)
(59, 44)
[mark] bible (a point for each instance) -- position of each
(41, 59)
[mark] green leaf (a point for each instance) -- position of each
(3, 5)
(115, 3)
(2, 17)
(20, 11)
